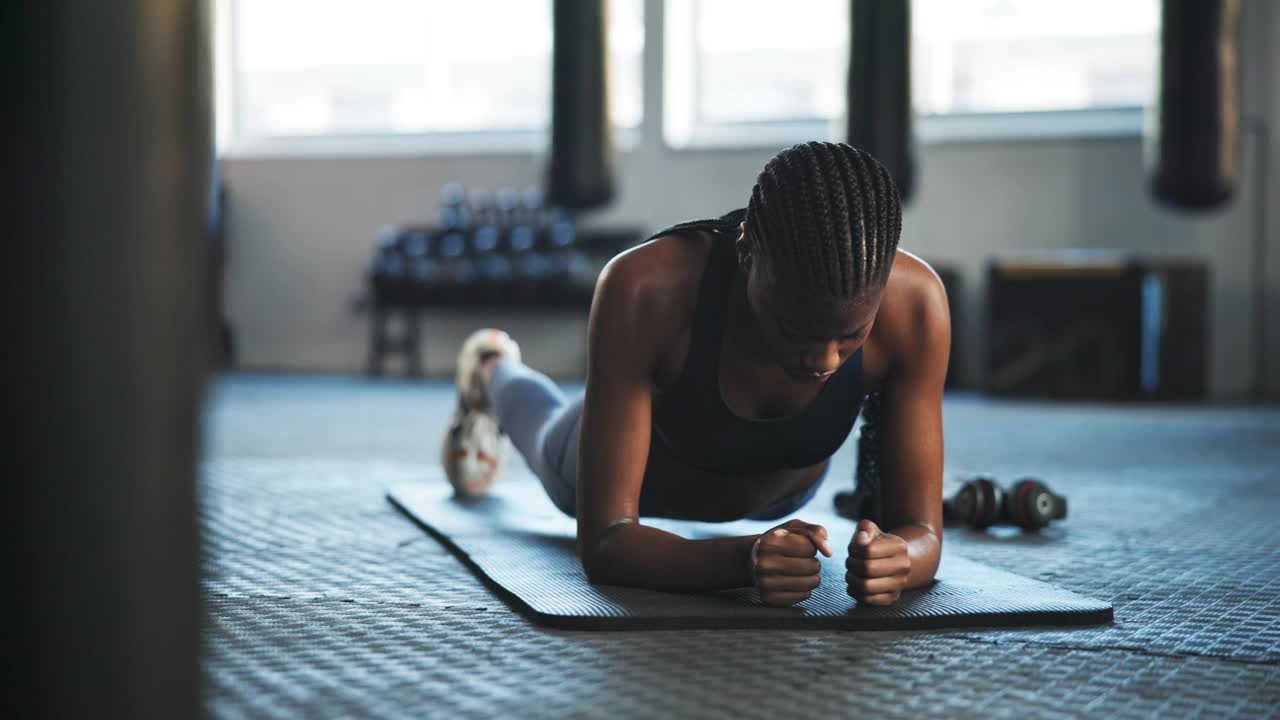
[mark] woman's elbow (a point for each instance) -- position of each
(594, 553)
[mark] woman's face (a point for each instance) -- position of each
(809, 339)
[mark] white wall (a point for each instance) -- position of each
(301, 229)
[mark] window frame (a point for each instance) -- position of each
(949, 129)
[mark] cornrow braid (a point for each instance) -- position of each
(727, 223)
(827, 215)
(823, 214)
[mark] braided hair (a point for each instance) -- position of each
(824, 215)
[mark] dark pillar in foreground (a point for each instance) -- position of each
(108, 146)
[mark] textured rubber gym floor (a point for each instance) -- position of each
(323, 601)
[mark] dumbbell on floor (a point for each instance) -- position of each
(981, 503)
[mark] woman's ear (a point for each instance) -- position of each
(744, 251)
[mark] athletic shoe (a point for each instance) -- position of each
(474, 447)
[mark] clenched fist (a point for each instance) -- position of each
(878, 565)
(784, 566)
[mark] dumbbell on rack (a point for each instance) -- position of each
(493, 269)
(503, 248)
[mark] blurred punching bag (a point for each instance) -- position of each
(878, 108)
(107, 338)
(580, 175)
(1193, 151)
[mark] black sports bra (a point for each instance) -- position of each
(691, 418)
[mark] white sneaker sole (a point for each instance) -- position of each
(473, 453)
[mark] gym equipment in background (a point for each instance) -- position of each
(581, 167)
(504, 249)
(981, 503)
(1193, 148)
(1098, 325)
(878, 97)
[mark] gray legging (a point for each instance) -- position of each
(545, 426)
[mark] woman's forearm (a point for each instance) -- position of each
(637, 555)
(641, 556)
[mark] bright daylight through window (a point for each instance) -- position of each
(735, 64)
(377, 67)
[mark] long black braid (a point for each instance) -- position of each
(727, 223)
(824, 215)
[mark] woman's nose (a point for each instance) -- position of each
(824, 361)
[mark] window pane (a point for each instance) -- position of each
(1028, 55)
(751, 61)
(763, 60)
(323, 67)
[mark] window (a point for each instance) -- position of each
(735, 63)
(753, 71)
(737, 71)
(1000, 56)
(310, 68)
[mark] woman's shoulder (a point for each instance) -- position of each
(914, 279)
(914, 317)
(659, 275)
(654, 286)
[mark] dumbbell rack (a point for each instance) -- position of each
(491, 252)
(383, 344)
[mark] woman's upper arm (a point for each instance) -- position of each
(622, 353)
(911, 442)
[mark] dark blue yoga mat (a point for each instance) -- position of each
(524, 550)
